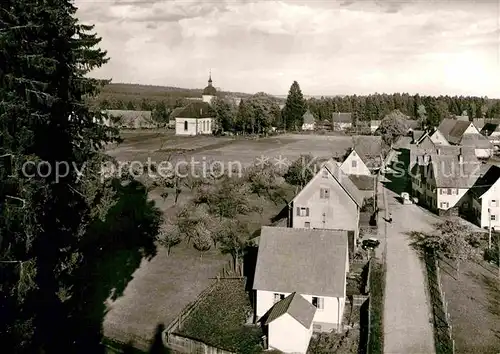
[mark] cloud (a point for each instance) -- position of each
(328, 47)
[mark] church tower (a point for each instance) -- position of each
(209, 92)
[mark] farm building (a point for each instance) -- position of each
(130, 119)
(292, 315)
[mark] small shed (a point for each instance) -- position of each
(289, 324)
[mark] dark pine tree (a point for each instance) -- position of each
(45, 56)
(295, 107)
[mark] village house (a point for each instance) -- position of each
(374, 124)
(440, 181)
(329, 201)
(129, 119)
(482, 205)
(491, 130)
(309, 121)
(450, 131)
(311, 263)
(355, 164)
(341, 121)
(462, 133)
(289, 324)
(196, 118)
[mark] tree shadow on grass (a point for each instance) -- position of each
(113, 249)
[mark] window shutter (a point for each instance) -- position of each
(307, 211)
(298, 211)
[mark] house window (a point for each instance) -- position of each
(444, 205)
(185, 125)
(442, 191)
(307, 225)
(278, 297)
(324, 193)
(325, 174)
(493, 217)
(317, 328)
(448, 191)
(456, 191)
(354, 163)
(493, 203)
(318, 302)
(302, 211)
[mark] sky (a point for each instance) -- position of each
(330, 47)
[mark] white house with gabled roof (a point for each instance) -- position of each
(312, 263)
(292, 315)
(329, 201)
(483, 202)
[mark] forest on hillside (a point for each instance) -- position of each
(363, 108)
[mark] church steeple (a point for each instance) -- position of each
(210, 78)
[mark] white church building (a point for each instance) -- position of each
(198, 117)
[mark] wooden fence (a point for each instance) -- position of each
(183, 344)
(443, 335)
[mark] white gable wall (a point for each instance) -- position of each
(288, 335)
(308, 126)
(340, 211)
(194, 126)
(438, 138)
(449, 197)
(491, 200)
(354, 165)
(471, 129)
(328, 315)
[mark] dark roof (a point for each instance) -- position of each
(209, 90)
(417, 135)
(130, 118)
(367, 145)
(412, 124)
(176, 112)
(308, 261)
(308, 118)
(197, 109)
(402, 142)
(446, 126)
(449, 173)
(296, 306)
(417, 152)
(340, 117)
(344, 181)
(458, 131)
(483, 184)
(490, 128)
(453, 129)
(363, 182)
(477, 141)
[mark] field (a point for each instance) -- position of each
(474, 306)
(163, 145)
(160, 288)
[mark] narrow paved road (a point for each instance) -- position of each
(407, 312)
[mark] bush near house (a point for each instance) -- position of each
(220, 319)
(377, 286)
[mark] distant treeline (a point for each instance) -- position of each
(363, 108)
(428, 108)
